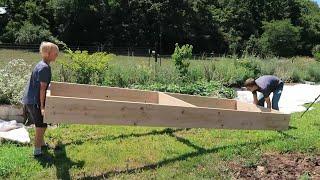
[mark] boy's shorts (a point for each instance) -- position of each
(33, 114)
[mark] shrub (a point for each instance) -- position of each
(84, 68)
(13, 79)
(231, 72)
(316, 52)
(201, 88)
(32, 34)
(314, 72)
(280, 38)
(124, 76)
(180, 56)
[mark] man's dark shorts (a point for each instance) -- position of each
(33, 113)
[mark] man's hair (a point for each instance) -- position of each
(47, 47)
(250, 82)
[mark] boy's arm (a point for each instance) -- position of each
(268, 101)
(43, 88)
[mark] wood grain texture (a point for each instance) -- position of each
(101, 92)
(110, 112)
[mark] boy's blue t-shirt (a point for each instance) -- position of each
(267, 84)
(40, 73)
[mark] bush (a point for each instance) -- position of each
(201, 88)
(280, 38)
(83, 68)
(231, 72)
(13, 79)
(316, 52)
(314, 72)
(180, 56)
(32, 34)
(124, 76)
(253, 46)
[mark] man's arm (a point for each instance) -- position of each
(268, 101)
(255, 98)
(43, 88)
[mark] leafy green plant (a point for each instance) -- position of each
(316, 52)
(13, 79)
(280, 38)
(82, 67)
(126, 75)
(314, 72)
(180, 56)
(201, 88)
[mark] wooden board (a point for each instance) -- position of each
(206, 101)
(110, 112)
(242, 106)
(165, 99)
(100, 92)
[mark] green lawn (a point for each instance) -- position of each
(142, 153)
(88, 152)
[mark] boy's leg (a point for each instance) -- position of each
(276, 97)
(35, 114)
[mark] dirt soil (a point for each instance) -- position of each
(280, 166)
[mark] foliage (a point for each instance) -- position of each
(316, 52)
(280, 38)
(124, 76)
(31, 34)
(219, 27)
(28, 22)
(180, 57)
(13, 79)
(84, 68)
(201, 88)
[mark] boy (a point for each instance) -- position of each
(266, 85)
(35, 93)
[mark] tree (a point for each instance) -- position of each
(27, 17)
(280, 38)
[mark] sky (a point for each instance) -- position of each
(318, 1)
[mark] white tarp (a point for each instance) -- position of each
(292, 99)
(13, 131)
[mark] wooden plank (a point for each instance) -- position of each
(201, 101)
(242, 106)
(165, 99)
(100, 92)
(90, 111)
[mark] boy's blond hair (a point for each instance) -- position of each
(46, 48)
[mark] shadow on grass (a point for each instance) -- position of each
(287, 136)
(200, 151)
(168, 131)
(60, 160)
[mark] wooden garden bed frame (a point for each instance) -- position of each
(87, 104)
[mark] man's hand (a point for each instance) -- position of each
(268, 101)
(255, 98)
(42, 112)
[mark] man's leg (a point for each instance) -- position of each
(39, 137)
(276, 97)
(261, 100)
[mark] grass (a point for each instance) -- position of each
(118, 152)
(125, 71)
